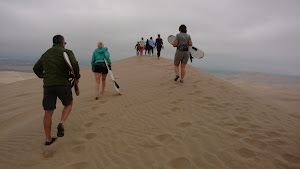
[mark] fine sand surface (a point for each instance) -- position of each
(7, 77)
(281, 90)
(155, 124)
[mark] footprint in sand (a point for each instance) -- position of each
(291, 158)
(170, 92)
(165, 113)
(184, 124)
(102, 114)
(90, 136)
(48, 153)
(103, 101)
(164, 138)
(88, 124)
(78, 149)
(246, 153)
(180, 163)
(174, 109)
(94, 107)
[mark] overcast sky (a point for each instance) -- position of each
(236, 35)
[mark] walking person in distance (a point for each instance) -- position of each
(99, 67)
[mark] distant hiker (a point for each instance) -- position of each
(55, 73)
(147, 47)
(158, 44)
(182, 42)
(99, 67)
(151, 45)
(137, 47)
(142, 46)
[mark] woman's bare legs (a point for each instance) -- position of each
(97, 83)
(103, 83)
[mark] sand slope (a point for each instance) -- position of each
(156, 123)
(280, 90)
(7, 77)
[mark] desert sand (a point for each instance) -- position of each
(7, 77)
(156, 123)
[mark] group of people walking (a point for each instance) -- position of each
(55, 73)
(149, 46)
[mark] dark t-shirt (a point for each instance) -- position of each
(158, 42)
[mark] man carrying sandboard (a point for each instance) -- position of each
(54, 70)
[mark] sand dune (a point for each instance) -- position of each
(155, 124)
(7, 77)
(280, 90)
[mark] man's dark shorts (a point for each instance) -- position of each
(64, 93)
(100, 67)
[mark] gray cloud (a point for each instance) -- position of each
(235, 35)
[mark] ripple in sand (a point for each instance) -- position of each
(272, 134)
(291, 158)
(78, 149)
(278, 143)
(257, 136)
(184, 124)
(246, 153)
(256, 143)
(240, 130)
(78, 165)
(241, 118)
(180, 163)
(209, 98)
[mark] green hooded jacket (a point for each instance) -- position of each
(53, 68)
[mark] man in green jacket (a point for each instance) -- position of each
(55, 73)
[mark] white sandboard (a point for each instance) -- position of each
(195, 52)
(67, 60)
(112, 77)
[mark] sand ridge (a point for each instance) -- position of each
(156, 123)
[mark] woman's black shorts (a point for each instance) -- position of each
(100, 67)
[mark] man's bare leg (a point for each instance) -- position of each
(47, 124)
(65, 113)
